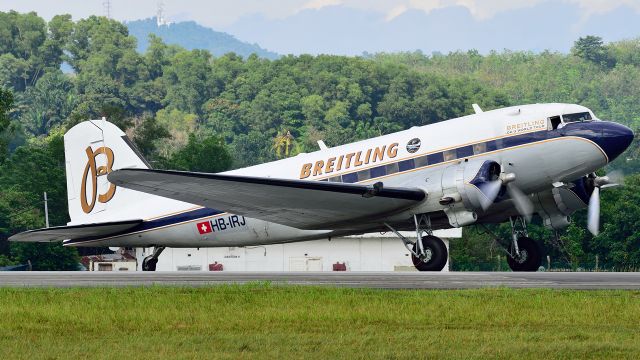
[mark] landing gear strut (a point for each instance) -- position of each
(149, 263)
(428, 253)
(524, 253)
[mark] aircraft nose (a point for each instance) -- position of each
(611, 137)
(615, 139)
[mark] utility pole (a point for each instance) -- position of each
(46, 210)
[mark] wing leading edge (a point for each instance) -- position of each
(297, 203)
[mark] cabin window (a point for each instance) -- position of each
(449, 155)
(583, 116)
(335, 179)
(554, 122)
(364, 175)
(421, 161)
(392, 168)
(479, 148)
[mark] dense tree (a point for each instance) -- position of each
(48, 104)
(6, 103)
(207, 154)
(591, 48)
(46, 257)
(188, 79)
(32, 169)
(148, 134)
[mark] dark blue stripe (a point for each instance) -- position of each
(156, 223)
(464, 152)
(435, 158)
(177, 218)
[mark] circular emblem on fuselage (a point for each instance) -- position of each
(413, 145)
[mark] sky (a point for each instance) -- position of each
(352, 27)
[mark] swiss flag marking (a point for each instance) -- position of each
(204, 227)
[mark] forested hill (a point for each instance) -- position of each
(190, 35)
(188, 110)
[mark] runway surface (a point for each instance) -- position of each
(385, 280)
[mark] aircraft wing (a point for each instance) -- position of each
(60, 233)
(298, 203)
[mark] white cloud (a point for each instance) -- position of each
(319, 4)
(593, 7)
(480, 9)
(483, 9)
(395, 12)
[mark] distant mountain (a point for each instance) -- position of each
(191, 36)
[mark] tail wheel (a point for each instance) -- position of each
(149, 263)
(435, 257)
(530, 256)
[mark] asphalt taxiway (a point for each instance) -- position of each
(386, 280)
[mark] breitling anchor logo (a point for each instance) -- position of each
(91, 169)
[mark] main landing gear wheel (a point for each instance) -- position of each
(435, 254)
(149, 263)
(529, 257)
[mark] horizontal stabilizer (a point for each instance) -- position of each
(298, 203)
(84, 231)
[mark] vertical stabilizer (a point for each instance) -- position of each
(92, 150)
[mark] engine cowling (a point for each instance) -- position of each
(555, 206)
(467, 188)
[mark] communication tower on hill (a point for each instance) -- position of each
(160, 15)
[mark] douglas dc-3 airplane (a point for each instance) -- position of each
(489, 167)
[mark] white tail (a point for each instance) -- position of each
(92, 150)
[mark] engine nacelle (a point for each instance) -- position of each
(466, 187)
(555, 206)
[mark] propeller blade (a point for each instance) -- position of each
(491, 190)
(521, 201)
(593, 219)
(610, 186)
(616, 177)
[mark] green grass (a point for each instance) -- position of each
(264, 321)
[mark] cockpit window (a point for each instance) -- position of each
(583, 116)
(555, 122)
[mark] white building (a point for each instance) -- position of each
(368, 252)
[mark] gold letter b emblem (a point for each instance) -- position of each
(95, 172)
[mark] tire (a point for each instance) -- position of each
(531, 256)
(149, 264)
(438, 251)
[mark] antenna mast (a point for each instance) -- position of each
(107, 8)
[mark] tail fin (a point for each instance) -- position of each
(92, 150)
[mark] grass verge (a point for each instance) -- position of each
(265, 321)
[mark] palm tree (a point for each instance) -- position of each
(283, 140)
